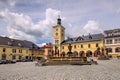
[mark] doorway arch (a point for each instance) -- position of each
(89, 53)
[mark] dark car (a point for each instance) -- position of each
(3, 61)
(13, 61)
(26, 60)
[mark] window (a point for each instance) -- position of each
(13, 57)
(20, 51)
(97, 44)
(20, 57)
(88, 45)
(62, 34)
(56, 29)
(4, 49)
(9, 43)
(56, 34)
(74, 46)
(109, 50)
(56, 41)
(14, 50)
(109, 34)
(117, 49)
(81, 45)
(117, 40)
(63, 47)
(109, 41)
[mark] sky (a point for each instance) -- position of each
(33, 20)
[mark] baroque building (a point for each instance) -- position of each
(12, 49)
(112, 41)
(81, 46)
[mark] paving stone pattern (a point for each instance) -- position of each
(105, 70)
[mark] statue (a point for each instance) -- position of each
(69, 50)
(69, 47)
(56, 50)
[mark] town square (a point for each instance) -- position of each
(48, 40)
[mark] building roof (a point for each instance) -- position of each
(58, 23)
(88, 38)
(112, 30)
(6, 41)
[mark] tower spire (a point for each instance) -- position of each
(59, 20)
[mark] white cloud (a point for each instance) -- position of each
(7, 3)
(21, 26)
(40, 45)
(92, 27)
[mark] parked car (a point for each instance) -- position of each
(1, 62)
(8, 61)
(26, 60)
(4, 61)
(13, 61)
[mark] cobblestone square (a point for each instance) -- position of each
(105, 70)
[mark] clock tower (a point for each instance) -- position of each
(58, 36)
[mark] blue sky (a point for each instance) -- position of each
(33, 19)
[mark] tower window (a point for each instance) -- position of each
(62, 34)
(56, 41)
(56, 29)
(63, 47)
(56, 34)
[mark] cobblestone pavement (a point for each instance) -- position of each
(105, 70)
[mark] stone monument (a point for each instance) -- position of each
(69, 53)
(103, 54)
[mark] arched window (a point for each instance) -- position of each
(81, 53)
(109, 50)
(3, 56)
(96, 53)
(89, 53)
(75, 53)
(117, 49)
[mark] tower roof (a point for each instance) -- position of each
(59, 20)
(58, 23)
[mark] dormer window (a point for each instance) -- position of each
(79, 38)
(9, 43)
(90, 37)
(12, 40)
(33, 46)
(19, 44)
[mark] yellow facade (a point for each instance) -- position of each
(61, 43)
(85, 47)
(18, 52)
(37, 54)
